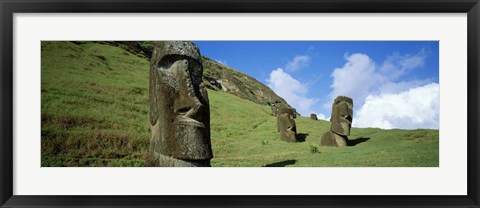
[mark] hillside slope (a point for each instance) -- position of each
(216, 76)
(95, 113)
(238, 84)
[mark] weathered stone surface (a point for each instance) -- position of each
(239, 84)
(166, 161)
(179, 108)
(313, 116)
(274, 106)
(341, 123)
(286, 110)
(277, 105)
(286, 124)
(342, 114)
(334, 140)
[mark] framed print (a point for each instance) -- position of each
(232, 103)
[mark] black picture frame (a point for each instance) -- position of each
(10, 7)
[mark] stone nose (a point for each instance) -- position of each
(348, 118)
(187, 102)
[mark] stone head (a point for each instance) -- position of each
(179, 109)
(286, 124)
(342, 114)
(288, 111)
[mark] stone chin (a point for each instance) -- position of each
(342, 126)
(290, 135)
(346, 127)
(167, 161)
(193, 139)
(332, 139)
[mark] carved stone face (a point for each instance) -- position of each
(286, 125)
(179, 109)
(342, 114)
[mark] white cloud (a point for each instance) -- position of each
(360, 76)
(415, 108)
(356, 79)
(396, 65)
(291, 90)
(222, 62)
(396, 87)
(297, 63)
(367, 84)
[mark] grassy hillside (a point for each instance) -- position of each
(239, 84)
(216, 76)
(95, 113)
(244, 134)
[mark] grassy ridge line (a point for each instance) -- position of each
(95, 113)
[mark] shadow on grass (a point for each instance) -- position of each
(281, 164)
(356, 141)
(301, 137)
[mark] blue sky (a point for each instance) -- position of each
(394, 84)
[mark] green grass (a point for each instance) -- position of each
(95, 113)
(244, 134)
(94, 106)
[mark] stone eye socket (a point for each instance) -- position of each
(167, 61)
(194, 67)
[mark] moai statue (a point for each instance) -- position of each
(286, 125)
(179, 109)
(341, 122)
(313, 116)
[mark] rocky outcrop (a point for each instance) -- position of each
(221, 77)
